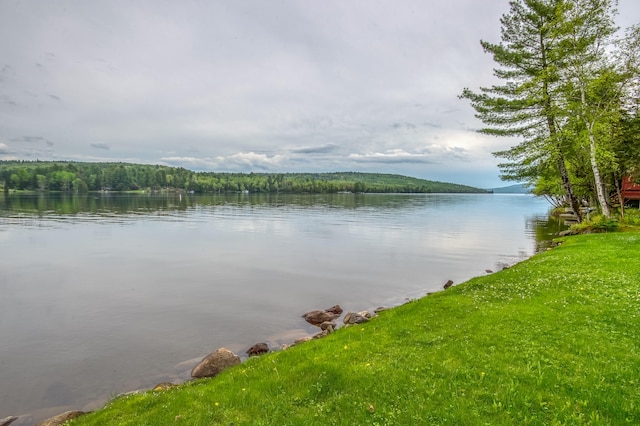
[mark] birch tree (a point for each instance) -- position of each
(594, 87)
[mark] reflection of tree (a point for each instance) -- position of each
(127, 203)
(545, 228)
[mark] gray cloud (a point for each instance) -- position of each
(395, 156)
(29, 139)
(270, 86)
(320, 149)
(100, 145)
(7, 100)
(407, 126)
(32, 140)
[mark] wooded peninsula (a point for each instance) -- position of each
(83, 177)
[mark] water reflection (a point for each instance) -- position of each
(109, 203)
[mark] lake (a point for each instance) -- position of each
(107, 293)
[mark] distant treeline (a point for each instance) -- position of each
(84, 177)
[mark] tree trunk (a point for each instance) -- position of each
(566, 183)
(619, 193)
(551, 126)
(602, 199)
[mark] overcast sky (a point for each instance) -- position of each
(252, 85)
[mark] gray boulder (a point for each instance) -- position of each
(214, 363)
(318, 317)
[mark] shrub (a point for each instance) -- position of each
(631, 217)
(594, 224)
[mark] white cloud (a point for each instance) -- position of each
(238, 162)
(392, 156)
(4, 148)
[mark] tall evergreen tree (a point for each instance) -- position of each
(529, 104)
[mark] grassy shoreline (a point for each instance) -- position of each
(552, 340)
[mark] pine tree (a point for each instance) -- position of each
(530, 103)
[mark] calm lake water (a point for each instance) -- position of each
(104, 293)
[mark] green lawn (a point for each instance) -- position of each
(552, 340)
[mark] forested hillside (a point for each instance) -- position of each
(83, 177)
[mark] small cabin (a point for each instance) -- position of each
(630, 190)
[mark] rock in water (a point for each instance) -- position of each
(258, 349)
(61, 418)
(335, 310)
(318, 317)
(214, 363)
(8, 420)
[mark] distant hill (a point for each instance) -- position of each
(520, 188)
(83, 177)
(382, 182)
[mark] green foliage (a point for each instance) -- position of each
(552, 340)
(596, 223)
(631, 217)
(82, 177)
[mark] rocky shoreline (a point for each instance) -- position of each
(219, 360)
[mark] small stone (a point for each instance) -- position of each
(258, 349)
(328, 326)
(379, 309)
(323, 333)
(302, 340)
(163, 386)
(61, 418)
(356, 318)
(448, 284)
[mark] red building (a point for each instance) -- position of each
(630, 189)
